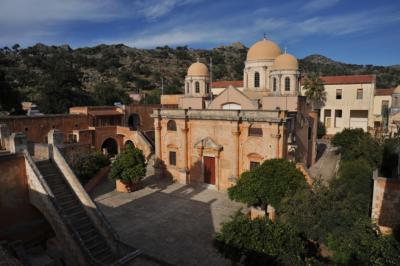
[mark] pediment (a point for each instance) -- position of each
(208, 143)
(232, 95)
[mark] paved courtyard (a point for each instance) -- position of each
(169, 221)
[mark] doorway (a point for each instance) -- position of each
(209, 170)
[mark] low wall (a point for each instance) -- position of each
(97, 178)
(19, 220)
(386, 202)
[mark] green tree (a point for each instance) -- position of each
(268, 184)
(315, 90)
(260, 242)
(130, 165)
(356, 144)
(106, 93)
(85, 166)
(9, 98)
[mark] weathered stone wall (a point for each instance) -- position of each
(386, 202)
(144, 111)
(36, 127)
(18, 218)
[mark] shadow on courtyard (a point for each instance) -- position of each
(173, 222)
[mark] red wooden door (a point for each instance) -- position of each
(209, 170)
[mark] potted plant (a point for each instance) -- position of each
(128, 169)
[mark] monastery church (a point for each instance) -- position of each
(203, 138)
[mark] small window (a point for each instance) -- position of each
(256, 80)
(172, 158)
(274, 84)
(309, 133)
(338, 113)
(255, 131)
(197, 86)
(207, 88)
(359, 94)
(171, 125)
(287, 84)
(338, 94)
(254, 165)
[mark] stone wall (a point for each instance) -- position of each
(144, 111)
(36, 127)
(18, 218)
(386, 202)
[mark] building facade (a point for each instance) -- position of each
(212, 139)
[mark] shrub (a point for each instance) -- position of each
(260, 242)
(129, 166)
(85, 166)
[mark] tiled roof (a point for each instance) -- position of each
(225, 84)
(384, 92)
(353, 79)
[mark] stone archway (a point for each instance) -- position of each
(110, 146)
(129, 142)
(134, 121)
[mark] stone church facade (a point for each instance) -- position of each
(212, 139)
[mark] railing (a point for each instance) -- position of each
(60, 211)
(115, 240)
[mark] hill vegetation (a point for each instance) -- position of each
(72, 75)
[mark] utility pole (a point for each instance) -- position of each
(211, 78)
(162, 91)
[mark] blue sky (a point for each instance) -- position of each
(352, 31)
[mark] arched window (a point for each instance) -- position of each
(255, 131)
(207, 88)
(256, 80)
(287, 84)
(274, 84)
(197, 86)
(171, 125)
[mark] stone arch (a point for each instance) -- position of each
(134, 121)
(110, 146)
(129, 142)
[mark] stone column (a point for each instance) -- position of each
(4, 136)
(157, 136)
(55, 137)
(18, 142)
(235, 155)
(184, 149)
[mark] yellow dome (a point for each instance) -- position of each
(286, 61)
(198, 69)
(263, 50)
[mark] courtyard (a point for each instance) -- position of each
(172, 222)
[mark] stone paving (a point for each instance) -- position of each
(327, 165)
(172, 222)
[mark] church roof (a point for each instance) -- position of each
(226, 84)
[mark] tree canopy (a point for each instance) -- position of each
(268, 183)
(129, 166)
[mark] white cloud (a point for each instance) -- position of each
(154, 9)
(315, 5)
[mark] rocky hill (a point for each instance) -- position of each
(31, 69)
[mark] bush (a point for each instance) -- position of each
(85, 166)
(268, 183)
(129, 166)
(260, 242)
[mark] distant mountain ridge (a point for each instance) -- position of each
(134, 69)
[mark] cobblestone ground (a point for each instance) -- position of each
(172, 222)
(327, 165)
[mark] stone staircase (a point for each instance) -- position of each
(73, 211)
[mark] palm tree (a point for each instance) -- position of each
(315, 90)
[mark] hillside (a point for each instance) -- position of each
(40, 69)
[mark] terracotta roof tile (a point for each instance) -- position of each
(384, 92)
(225, 84)
(353, 79)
